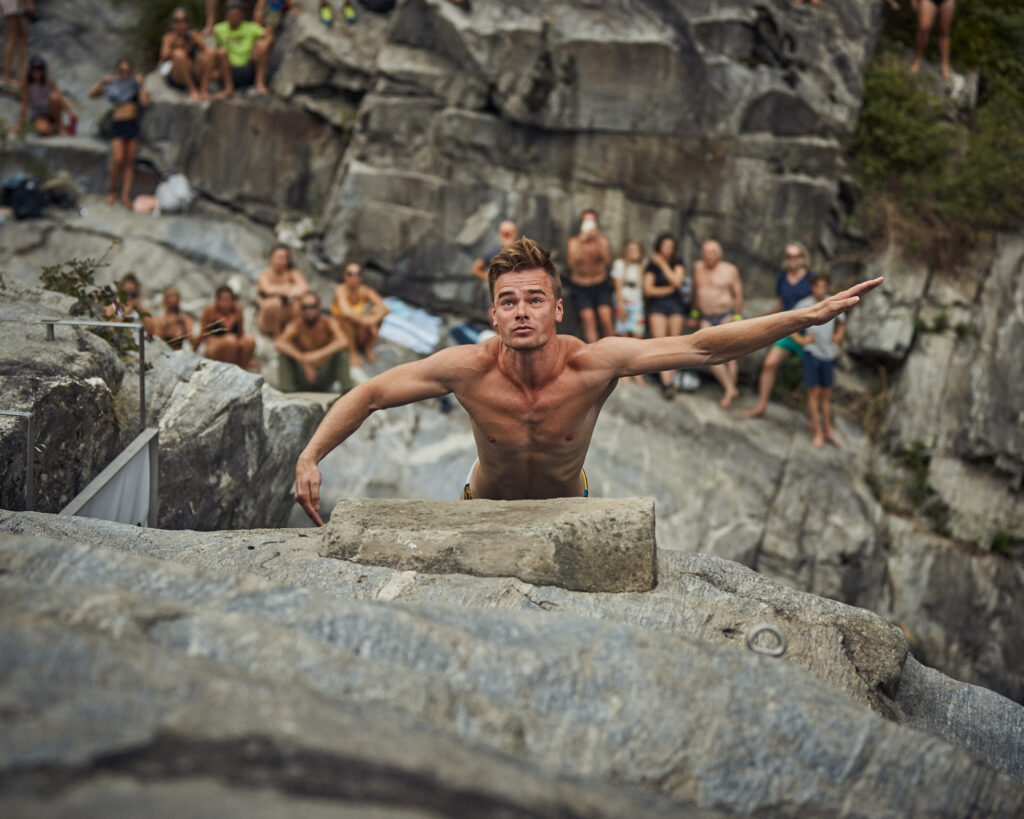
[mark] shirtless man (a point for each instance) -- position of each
(312, 350)
(533, 397)
(718, 298)
(360, 309)
(589, 260)
(173, 326)
(279, 286)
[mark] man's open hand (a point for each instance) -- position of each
(307, 489)
(831, 307)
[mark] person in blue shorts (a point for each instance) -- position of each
(792, 285)
(819, 346)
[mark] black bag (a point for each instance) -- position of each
(22, 194)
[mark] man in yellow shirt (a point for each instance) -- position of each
(242, 50)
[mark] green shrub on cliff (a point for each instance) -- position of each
(939, 180)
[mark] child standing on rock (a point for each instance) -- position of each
(819, 343)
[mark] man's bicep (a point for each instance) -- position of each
(634, 356)
(407, 384)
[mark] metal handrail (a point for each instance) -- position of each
(116, 325)
(30, 445)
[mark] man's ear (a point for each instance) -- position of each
(559, 311)
(494, 319)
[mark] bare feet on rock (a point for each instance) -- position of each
(755, 412)
(261, 89)
(832, 439)
(818, 441)
(727, 400)
(111, 198)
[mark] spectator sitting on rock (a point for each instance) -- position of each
(360, 309)
(927, 12)
(791, 285)
(819, 343)
(279, 285)
(185, 61)
(128, 306)
(628, 278)
(172, 325)
(589, 258)
(128, 96)
(242, 50)
(275, 14)
(16, 46)
(42, 104)
(313, 350)
(534, 396)
(222, 331)
(253, 11)
(663, 278)
(718, 296)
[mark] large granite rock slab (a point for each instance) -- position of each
(162, 663)
(577, 543)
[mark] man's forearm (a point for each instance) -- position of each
(736, 339)
(344, 417)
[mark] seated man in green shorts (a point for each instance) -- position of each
(533, 397)
(312, 350)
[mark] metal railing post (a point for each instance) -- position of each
(142, 378)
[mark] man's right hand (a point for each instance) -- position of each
(307, 488)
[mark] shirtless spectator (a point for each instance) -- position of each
(16, 35)
(279, 286)
(313, 350)
(185, 61)
(42, 104)
(533, 396)
(242, 50)
(507, 234)
(172, 325)
(222, 331)
(360, 309)
(718, 297)
(792, 285)
(589, 258)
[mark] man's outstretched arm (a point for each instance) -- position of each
(716, 345)
(404, 384)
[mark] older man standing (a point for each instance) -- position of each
(533, 396)
(718, 298)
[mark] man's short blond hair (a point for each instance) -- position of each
(523, 254)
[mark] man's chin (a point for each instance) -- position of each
(524, 342)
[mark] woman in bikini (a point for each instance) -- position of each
(42, 104)
(221, 329)
(360, 309)
(128, 97)
(663, 277)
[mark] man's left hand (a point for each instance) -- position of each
(829, 308)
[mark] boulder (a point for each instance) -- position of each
(576, 543)
(231, 671)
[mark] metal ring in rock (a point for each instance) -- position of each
(776, 650)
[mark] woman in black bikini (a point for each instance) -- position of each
(129, 97)
(221, 329)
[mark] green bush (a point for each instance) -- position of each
(940, 182)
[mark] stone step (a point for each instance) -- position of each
(583, 544)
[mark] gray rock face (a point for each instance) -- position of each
(493, 113)
(576, 543)
(162, 663)
(69, 385)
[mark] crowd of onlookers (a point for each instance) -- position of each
(651, 295)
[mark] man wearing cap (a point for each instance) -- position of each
(242, 50)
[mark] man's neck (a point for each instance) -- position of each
(531, 368)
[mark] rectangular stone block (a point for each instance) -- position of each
(583, 544)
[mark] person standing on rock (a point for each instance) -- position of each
(222, 330)
(313, 350)
(663, 281)
(819, 343)
(791, 285)
(279, 286)
(628, 278)
(242, 50)
(128, 95)
(589, 259)
(927, 13)
(718, 297)
(16, 14)
(534, 396)
(361, 310)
